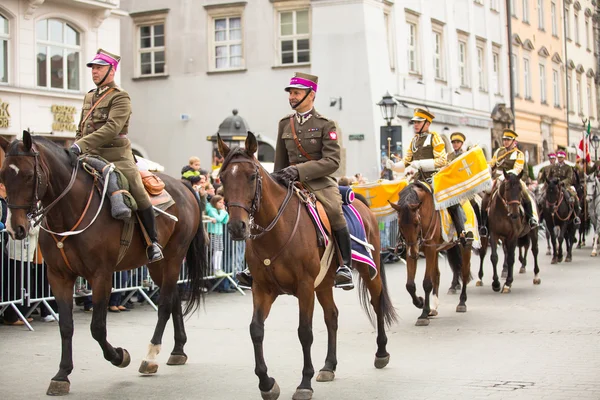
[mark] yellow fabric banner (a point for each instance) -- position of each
(379, 193)
(462, 179)
(448, 229)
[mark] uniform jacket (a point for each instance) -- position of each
(544, 174)
(564, 173)
(508, 160)
(319, 137)
(453, 155)
(426, 145)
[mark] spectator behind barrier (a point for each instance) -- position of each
(192, 169)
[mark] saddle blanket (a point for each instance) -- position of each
(449, 231)
(361, 248)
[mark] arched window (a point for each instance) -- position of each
(58, 50)
(4, 37)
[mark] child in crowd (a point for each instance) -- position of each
(219, 218)
(192, 169)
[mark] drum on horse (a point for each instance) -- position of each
(507, 223)
(558, 215)
(593, 208)
(421, 230)
(37, 170)
(284, 258)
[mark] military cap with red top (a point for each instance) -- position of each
(304, 81)
(551, 155)
(103, 57)
(561, 153)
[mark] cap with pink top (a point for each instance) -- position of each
(103, 57)
(551, 155)
(303, 81)
(561, 153)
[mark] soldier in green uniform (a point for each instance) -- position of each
(308, 150)
(457, 139)
(102, 131)
(543, 174)
(427, 153)
(566, 176)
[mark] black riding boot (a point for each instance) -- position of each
(458, 220)
(479, 217)
(529, 213)
(154, 251)
(483, 229)
(576, 210)
(343, 275)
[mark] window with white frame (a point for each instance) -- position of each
(4, 48)
(513, 8)
(481, 67)
(294, 37)
(527, 78)
(58, 55)
(413, 49)
(515, 73)
(525, 10)
(578, 96)
(462, 63)
(438, 52)
(494, 5)
(150, 43)
(568, 23)
(554, 17)
(227, 51)
(556, 87)
(570, 94)
(496, 77)
(576, 26)
(587, 33)
(543, 98)
(590, 102)
(541, 14)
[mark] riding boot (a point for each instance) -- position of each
(528, 207)
(576, 211)
(478, 216)
(245, 278)
(483, 229)
(154, 251)
(343, 275)
(459, 225)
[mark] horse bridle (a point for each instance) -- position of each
(420, 240)
(507, 203)
(255, 205)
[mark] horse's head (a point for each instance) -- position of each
(22, 177)
(553, 188)
(409, 217)
(242, 183)
(512, 191)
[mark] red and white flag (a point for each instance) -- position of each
(584, 148)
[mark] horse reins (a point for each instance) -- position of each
(429, 236)
(555, 205)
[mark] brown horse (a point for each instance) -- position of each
(284, 258)
(508, 224)
(37, 170)
(421, 230)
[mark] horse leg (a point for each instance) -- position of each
(548, 237)
(594, 245)
(262, 302)
(534, 250)
(570, 237)
(510, 256)
(494, 259)
(455, 285)
(101, 288)
(411, 287)
(330, 312)
(62, 287)
(554, 245)
(306, 303)
(505, 262)
(523, 257)
(435, 301)
(430, 258)
(561, 238)
(178, 356)
(482, 253)
(466, 277)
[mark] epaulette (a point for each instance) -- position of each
(321, 116)
(287, 117)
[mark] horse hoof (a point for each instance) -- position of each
(148, 367)
(593, 254)
(433, 313)
(325, 376)
(506, 289)
(177, 359)
(560, 259)
(272, 394)
(496, 287)
(382, 362)
(522, 270)
(58, 388)
(479, 283)
(548, 253)
(302, 394)
(568, 259)
(451, 291)
(554, 261)
(460, 308)
(422, 322)
(537, 281)
(126, 359)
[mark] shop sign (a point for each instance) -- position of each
(64, 119)
(4, 115)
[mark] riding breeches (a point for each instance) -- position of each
(331, 199)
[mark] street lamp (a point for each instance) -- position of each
(388, 107)
(595, 142)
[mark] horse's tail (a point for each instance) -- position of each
(390, 316)
(197, 264)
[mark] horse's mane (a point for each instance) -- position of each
(53, 148)
(408, 197)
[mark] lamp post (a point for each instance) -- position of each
(595, 142)
(388, 107)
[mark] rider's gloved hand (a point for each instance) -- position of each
(389, 164)
(74, 153)
(416, 164)
(286, 175)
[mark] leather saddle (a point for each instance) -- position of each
(310, 200)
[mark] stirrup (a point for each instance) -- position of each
(244, 278)
(154, 252)
(483, 231)
(576, 221)
(344, 278)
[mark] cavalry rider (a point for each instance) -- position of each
(566, 176)
(308, 150)
(427, 153)
(457, 139)
(102, 131)
(544, 172)
(510, 159)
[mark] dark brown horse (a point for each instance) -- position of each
(507, 223)
(421, 230)
(284, 258)
(37, 170)
(558, 216)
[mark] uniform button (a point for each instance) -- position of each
(299, 155)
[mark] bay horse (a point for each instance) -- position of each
(421, 230)
(284, 258)
(507, 223)
(559, 214)
(36, 170)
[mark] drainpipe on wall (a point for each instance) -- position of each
(568, 90)
(510, 63)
